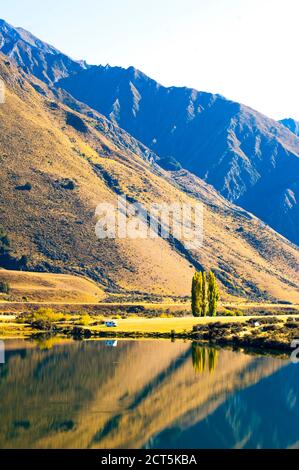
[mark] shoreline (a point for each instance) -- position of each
(274, 333)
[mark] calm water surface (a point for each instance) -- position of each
(150, 394)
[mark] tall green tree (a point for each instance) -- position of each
(213, 294)
(199, 294)
(204, 295)
(196, 294)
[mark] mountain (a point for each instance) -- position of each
(58, 164)
(251, 159)
(59, 167)
(291, 124)
(35, 56)
(60, 158)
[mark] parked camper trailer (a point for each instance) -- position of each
(111, 323)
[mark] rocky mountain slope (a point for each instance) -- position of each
(251, 159)
(57, 165)
(60, 158)
(291, 124)
(35, 56)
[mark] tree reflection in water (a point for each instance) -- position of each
(204, 358)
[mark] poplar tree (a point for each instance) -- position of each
(204, 295)
(196, 294)
(213, 294)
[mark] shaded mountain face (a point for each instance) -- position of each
(291, 124)
(251, 159)
(35, 56)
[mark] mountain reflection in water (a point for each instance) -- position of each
(134, 394)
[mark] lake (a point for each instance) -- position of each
(145, 394)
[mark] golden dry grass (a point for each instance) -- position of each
(45, 287)
(166, 325)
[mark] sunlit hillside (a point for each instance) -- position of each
(58, 165)
(48, 287)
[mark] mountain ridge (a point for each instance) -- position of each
(41, 148)
(231, 146)
(291, 124)
(252, 160)
(36, 56)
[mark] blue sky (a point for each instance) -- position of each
(246, 50)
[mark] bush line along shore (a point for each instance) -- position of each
(260, 332)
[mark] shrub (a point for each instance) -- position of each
(232, 313)
(46, 315)
(79, 333)
(97, 322)
(291, 325)
(45, 325)
(43, 319)
(24, 187)
(22, 318)
(239, 313)
(69, 184)
(4, 287)
(136, 309)
(227, 313)
(84, 320)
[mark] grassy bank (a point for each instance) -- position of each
(258, 332)
(267, 332)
